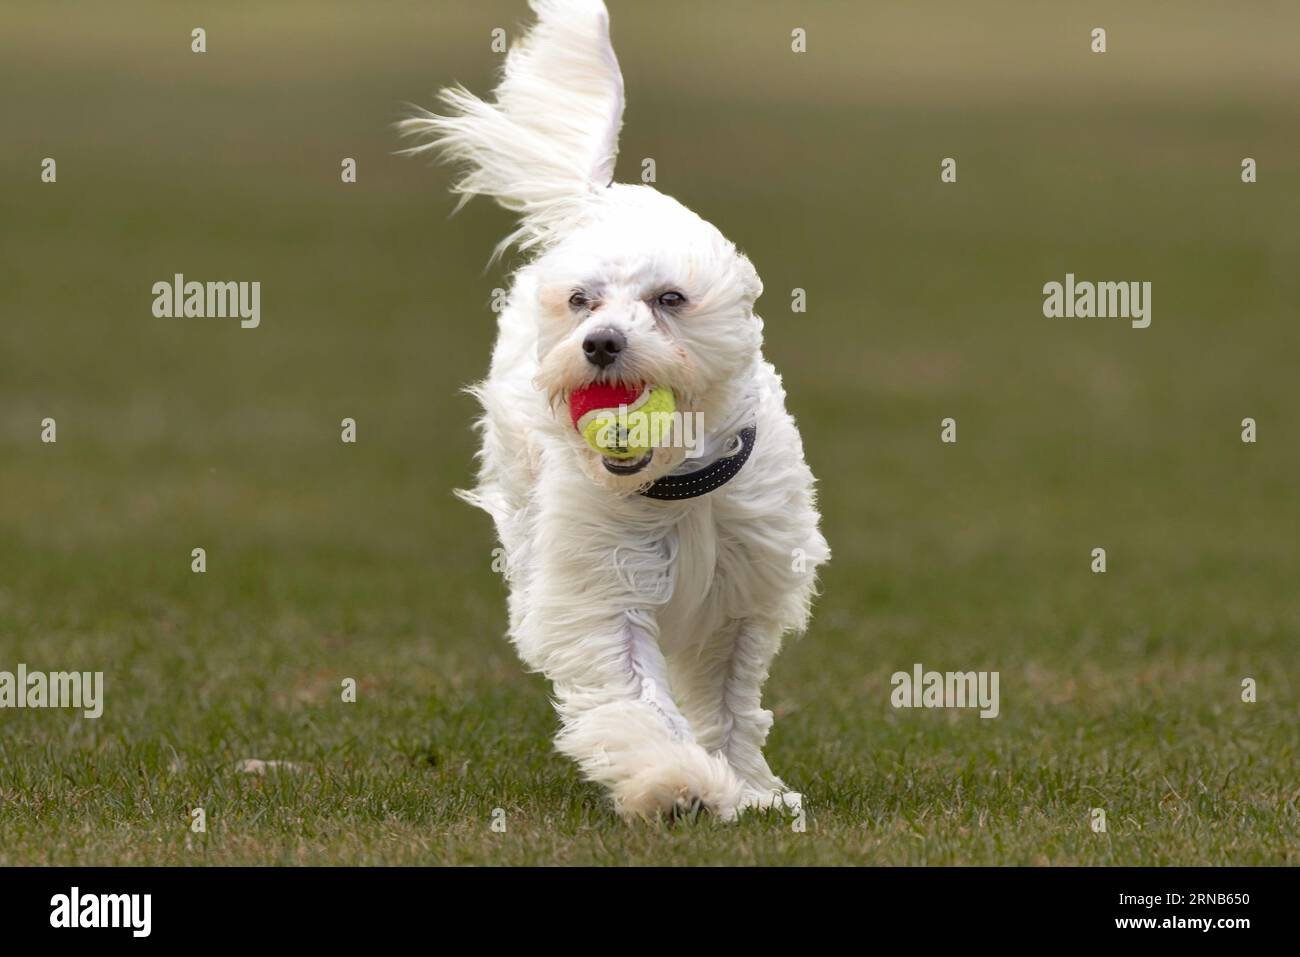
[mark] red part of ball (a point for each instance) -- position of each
(601, 395)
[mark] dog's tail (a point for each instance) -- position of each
(549, 140)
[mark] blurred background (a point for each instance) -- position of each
(328, 560)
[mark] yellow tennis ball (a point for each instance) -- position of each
(624, 423)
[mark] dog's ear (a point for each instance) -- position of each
(550, 139)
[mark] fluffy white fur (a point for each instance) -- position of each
(656, 621)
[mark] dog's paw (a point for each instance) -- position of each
(684, 784)
(787, 802)
(688, 810)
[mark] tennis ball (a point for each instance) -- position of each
(623, 422)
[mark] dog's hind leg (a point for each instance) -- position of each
(622, 726)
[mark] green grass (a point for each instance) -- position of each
(325, 561)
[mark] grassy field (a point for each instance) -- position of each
(328, 561)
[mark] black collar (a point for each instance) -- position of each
(705, 480)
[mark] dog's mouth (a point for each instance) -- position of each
(625, 467)
(623, 423)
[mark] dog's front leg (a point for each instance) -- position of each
(621, 725)
(721, 688)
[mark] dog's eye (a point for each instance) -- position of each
(671, 299)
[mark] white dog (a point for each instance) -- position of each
(652, 593)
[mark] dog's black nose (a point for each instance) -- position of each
(602, 346)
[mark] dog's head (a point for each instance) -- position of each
(632, 287)
(647, 293)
